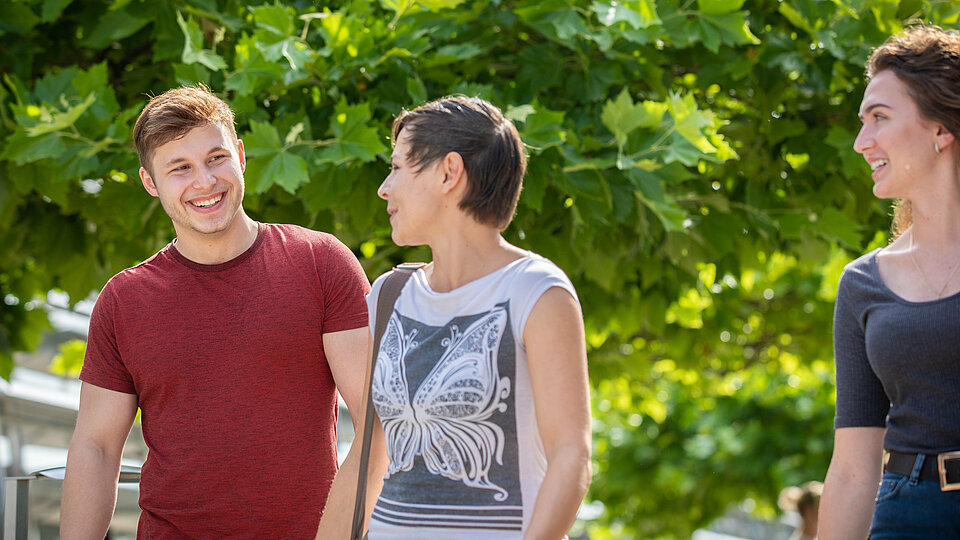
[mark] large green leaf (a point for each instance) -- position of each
(276, 19)
(17, 18)
(193, 51)
(719, 6)
(638, 14)
(354, 138)
(622, 116)
(21, 148)
(282, 168)
(52, 9)
(50, 120)
(262, 139)
(114, 26)
(269, 162)
(732, 27)
(543, 129)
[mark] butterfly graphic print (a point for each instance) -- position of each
(446, 419)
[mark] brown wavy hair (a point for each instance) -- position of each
(172, 114)
(926, 59)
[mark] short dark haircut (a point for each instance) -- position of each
(926, 59)
(493, 154)
(172, 114)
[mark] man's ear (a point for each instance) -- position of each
(148, 183)
(454, 172)
(241, 155)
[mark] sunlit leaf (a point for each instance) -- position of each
(283, 168)
(637, 14)
(355, 139)
(193, 51)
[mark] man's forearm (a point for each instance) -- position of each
(335, 521)
(89, 493)
(337, 515)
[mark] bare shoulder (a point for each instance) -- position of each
(555, 317)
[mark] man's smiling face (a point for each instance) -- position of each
(198, 179)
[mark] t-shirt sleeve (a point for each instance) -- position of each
(538, 279)
(102, 362)
(345, 287)
(861, 400)
(372, 299)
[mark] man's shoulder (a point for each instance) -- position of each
(146, 270)
(130, 284)
(289, 234)
(298, 243)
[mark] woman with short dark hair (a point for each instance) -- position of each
(480, 385)
(898, 308)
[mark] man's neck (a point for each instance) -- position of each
(218, 247)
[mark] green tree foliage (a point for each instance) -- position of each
(691, 169)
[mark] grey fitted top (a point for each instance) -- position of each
(898, 362)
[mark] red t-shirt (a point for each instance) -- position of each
(239, 407)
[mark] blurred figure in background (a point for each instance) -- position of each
(804, 500)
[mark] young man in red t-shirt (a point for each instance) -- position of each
(232, 340)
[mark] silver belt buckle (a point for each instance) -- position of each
(942, 469)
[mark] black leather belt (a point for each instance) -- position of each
(943, 468)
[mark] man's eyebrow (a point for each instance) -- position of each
(871, 107)
(174, 161)
(182, 159)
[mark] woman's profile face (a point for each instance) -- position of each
(896, 142)
(412, 195)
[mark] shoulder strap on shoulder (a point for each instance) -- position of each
(386, 300)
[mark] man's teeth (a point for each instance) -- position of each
(208, 202)
(874, 165)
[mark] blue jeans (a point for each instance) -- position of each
(908, 508)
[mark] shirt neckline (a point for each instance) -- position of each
(875, 271)
(421, 277)
(219, 267)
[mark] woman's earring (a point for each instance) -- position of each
(936, 146)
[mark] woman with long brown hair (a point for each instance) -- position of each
(897, 317)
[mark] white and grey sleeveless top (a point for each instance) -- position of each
(452, 391)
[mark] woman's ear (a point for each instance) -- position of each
(454, 173)
(944, 137)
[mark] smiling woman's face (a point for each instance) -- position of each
(896, 142)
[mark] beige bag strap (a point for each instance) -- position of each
(389, 292)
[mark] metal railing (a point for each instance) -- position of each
(14, 520)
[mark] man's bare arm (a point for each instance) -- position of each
(336, 519)
(93, 462)
(347, 357)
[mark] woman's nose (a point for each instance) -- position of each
(863, 141)
(384, 188)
